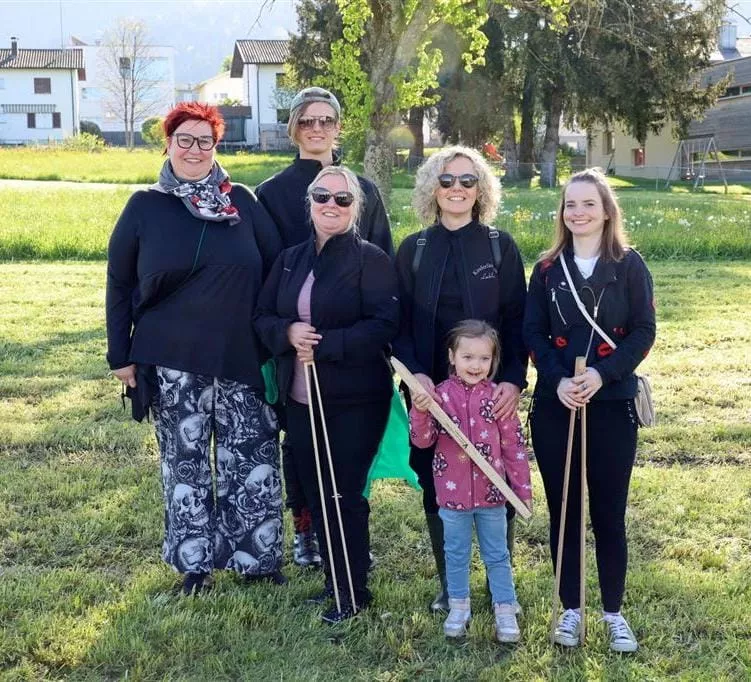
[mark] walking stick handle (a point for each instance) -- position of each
(461, 440)
(580, 365)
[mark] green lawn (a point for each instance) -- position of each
(53, 224)
(118, 165)
(83, 594)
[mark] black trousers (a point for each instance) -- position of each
(294, 498)
(355, 432)
(611, 448)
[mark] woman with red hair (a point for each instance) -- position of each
(186, 262)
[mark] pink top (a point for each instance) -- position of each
(459, 483)
(297, 391)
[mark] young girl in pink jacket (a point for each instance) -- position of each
(464, 494)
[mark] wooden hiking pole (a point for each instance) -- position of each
(461, 440)
(579, 368)
(583, 515)
(312, 367)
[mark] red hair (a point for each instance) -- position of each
(194, 111)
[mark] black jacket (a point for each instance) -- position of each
(556, 332)
(492, 296)
(283, 195)
(181, 291)
(353, 305)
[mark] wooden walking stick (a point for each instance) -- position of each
(583, 518)
(455, 432)
(337, 506)
(579, 368)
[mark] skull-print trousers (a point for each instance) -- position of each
(232, 518)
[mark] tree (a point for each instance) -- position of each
(226, 64)
(133, 91)
(386, 63)
(152, 131)
(319, 26)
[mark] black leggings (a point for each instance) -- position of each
(611, 448)
(354, 434)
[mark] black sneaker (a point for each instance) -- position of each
(195, 583)
(334, 615)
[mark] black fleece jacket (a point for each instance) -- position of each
(283, 195)
(354, 305)
(495, 297)
(182, 296)
(556, 332)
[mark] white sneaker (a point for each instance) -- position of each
(506, 627)
(622, 638)
(568, 628)
(459, 614)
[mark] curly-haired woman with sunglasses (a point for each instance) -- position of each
(333, 300)
(314, 126)
(187, 259)
(456, 269)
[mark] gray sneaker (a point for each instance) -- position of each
(622, 638)
(568, 628)
(305, 550)
(458, 619)
(506, 627)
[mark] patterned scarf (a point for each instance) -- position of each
(207, 199)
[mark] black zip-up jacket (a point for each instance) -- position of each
(283, 196)
(556, 332)
(354, 305)
(181, 291)
(495, 297)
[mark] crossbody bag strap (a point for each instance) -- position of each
(422, 241)
(582, 308)
(495, 247)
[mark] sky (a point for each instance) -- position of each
(202, 32)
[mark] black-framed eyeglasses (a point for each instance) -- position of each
(467, 180)
(309, 122)
(322, 196)
(185, 141)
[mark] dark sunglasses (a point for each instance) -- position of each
(185, 141)
(309, 122)
(467, 180)
(322, 196)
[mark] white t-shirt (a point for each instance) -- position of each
(586, 265)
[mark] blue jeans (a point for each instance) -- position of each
(457, 544)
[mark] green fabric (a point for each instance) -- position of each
(392, 458)
(268, 371)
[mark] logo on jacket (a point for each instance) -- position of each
(486, 271)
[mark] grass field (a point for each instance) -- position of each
(84, 596)
(54, 224)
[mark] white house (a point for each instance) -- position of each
(260, 66)
(39, 98)
(219, 88)
(98, 105)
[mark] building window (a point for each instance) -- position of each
(282, 115)
(82, 74)
(31, 120)
(42, 86)
(56, 119)
(608, 142)
(638, 156)
(2, 83)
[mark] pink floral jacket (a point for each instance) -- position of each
(459, 483)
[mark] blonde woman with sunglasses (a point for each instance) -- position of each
(334, 300)
(456, 269)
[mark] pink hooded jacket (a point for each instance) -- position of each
(459, 483)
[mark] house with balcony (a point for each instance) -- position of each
(259, 67)
(39, 94)
(717, 145)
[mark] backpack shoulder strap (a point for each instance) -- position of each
(422, 241)
(495, 246)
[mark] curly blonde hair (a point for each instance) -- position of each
(426, 184)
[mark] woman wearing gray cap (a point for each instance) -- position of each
(314, 126)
